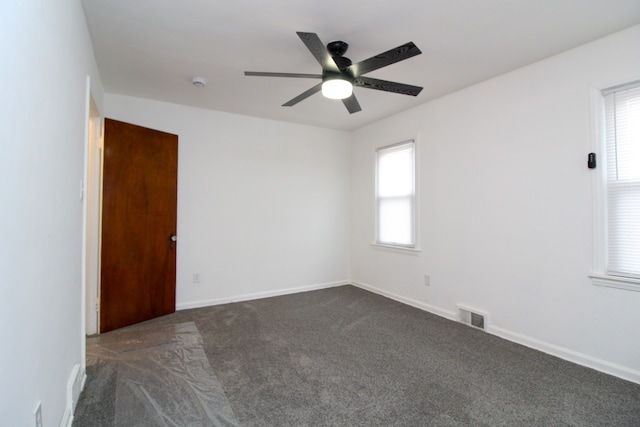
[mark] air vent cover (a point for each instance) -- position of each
(472, 317)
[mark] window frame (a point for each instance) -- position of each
(599, 275)
(411, 249)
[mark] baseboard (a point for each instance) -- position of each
(258, 295)
(409, 301)
(67, 418)
(545, 347)
(75, 384)
(567, 354)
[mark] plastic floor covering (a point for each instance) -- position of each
(163, 377)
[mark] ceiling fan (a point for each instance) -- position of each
(339, 74)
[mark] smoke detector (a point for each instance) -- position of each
(199, 81)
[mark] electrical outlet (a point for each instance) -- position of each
(427, 280)
(38, 414)
(196, 277)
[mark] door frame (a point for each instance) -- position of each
(92, 215)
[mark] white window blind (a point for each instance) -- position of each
(395, 195)
(622, 109)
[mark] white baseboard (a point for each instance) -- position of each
(75, 384)
(258, 295)
(409, 301)
(601, 365)
(567, 354)
(67, 418)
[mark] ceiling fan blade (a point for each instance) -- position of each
(303, 95)
(319, 51)
(401, 88)
(267, 74)
(352, 104)
(389, 57)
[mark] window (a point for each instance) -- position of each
(396, 195)
(620, 187)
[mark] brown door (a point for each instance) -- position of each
(138, 257)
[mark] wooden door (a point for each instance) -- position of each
(138, 256)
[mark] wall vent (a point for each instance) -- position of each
(472, 317)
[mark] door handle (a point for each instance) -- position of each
(172, 241)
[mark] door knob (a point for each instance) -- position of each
(172, 241)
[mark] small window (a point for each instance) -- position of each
(619, 182)
(396, 195)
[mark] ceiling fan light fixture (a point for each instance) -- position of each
(337, 89)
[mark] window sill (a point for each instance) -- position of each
(396, 249)
(626, 283)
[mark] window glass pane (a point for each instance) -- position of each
(396, 221)
(627, 128)
(624, 230)
(395, 172)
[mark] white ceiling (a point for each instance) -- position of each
(153, 48)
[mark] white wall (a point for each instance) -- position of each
(506, 210)
(46, 57)
(263, 206)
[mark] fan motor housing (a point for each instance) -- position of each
(337, 47)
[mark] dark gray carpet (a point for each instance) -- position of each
(344, 356)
